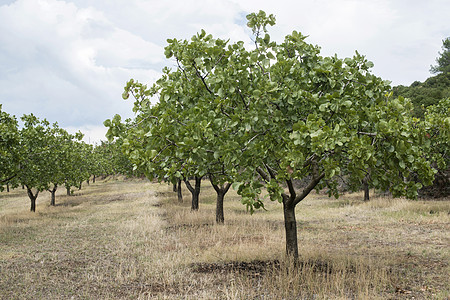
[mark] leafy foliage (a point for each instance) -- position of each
(9, 143)
(437, 132)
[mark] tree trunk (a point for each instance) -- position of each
(53, 198)
(7, 187)
(79, 187)
(220, 219)
(178, 190)
(290, 226)
(68, 190)
(93, 179)
(32, 198)
(366, 191)
(221, 191)
(195, 191)
(174, 187)
(365, 183)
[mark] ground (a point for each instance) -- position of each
(131, 239)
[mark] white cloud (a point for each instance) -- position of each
(69, 63)
(92, 134)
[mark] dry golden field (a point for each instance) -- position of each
(131, 239)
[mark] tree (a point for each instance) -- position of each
(443, 61)
(180, 132)
(36, 170)
(62, 144)
(9, 146)
(436, 129)
(149, 140)
(276, 114)
(78, 158)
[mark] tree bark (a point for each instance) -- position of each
(93, 179)
(53, 193)
(7, 187)
(68, 190)
(221, 191)
(195, 191)
(178, 190)
(32, 198)
(366, 191)
(290, 226)
(365, 183)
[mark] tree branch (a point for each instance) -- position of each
(263, 174)
(367, 133)
(315, 181)
(202, 78)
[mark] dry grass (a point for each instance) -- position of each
(133, 240)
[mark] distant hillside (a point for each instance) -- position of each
(425, 93)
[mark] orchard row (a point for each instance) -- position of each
(40, 156)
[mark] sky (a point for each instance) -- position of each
(68, 61)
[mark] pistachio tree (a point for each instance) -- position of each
(326, 117)
(436, 132)
(36, 170)
(154, 140)
(78, 157)
(62, 144)
(274, 115)
(9, 146)
(184, 133)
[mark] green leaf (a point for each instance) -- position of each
(323, 107)
(168, 53)
(220, 93)
(256, 93)
(347, 103)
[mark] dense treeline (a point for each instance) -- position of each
(275, 115)
(432, 90)
(40, 156)
(424, 94)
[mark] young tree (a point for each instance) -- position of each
(436, 131)
(78, 158)
(62, 144)
(36, 170)
(9, 147)
(325, 117)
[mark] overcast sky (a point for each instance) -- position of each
(68, 61)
